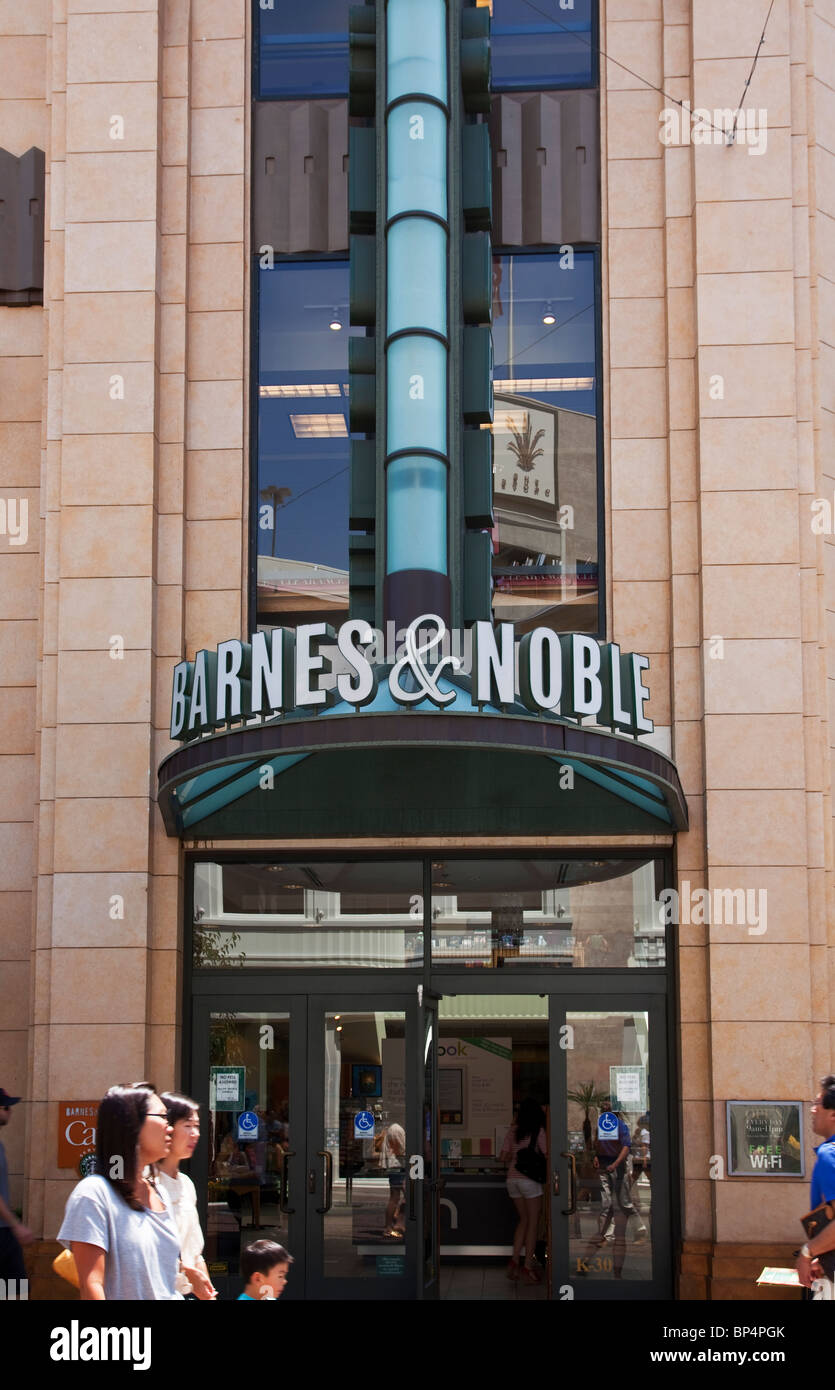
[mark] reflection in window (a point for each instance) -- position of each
(303, 442)
(536, 46)
(313, 915)
(545, 543)
(527, 913)
(303, 49)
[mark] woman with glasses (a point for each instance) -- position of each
(117, 1223)
(184, 1120)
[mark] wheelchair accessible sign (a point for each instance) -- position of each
(247, 1125)
(363, 1124)
(607, 1125)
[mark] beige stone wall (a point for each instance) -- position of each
(143, 115)
(717, 264)
(719, 417)
(23, 123)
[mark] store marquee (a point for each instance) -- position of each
(568, 675)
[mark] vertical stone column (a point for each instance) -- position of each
(695, 1191)
(633, 297)
(815, 22)
(218, 301)
(164, 977)
(23, 123)
(93, 936)
(750, 403)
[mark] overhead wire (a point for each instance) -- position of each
(678, 101)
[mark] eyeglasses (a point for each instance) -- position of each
(157, 1115)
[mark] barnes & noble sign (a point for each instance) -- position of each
(570, 676)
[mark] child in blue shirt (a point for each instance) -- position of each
(264, 1268)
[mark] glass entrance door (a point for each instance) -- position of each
(609, 1196)
(320, 1134)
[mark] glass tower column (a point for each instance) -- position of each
(417, 309)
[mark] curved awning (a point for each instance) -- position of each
(423, 771)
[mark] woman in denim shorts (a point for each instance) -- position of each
(526, 1195)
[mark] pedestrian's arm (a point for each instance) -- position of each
(89, 1261)
(20, 1232)
(621, 1156)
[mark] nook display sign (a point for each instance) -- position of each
(569, 676)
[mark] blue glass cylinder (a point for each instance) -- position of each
(416, 395)
(416, 282)
(416, 48)
(416, 154)
(416, 509)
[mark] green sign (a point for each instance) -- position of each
(488, 1045)
(226, 1088)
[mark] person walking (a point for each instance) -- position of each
(822, 1189)
(524, 1148)
(611, 1157)
(184, 1119)
(117, 1222)
(13, 1233)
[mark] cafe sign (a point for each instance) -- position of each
(571, 676)
(76, 1131)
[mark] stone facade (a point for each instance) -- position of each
(123, 424)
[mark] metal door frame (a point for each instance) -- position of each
(560, 1180)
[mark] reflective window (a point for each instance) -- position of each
(609, 1134)
(308, 915)
(303, 48)
(248, 1196)
(543, 45)
(523, 913)
(545, 541)
(303, 442)
(365, 1231)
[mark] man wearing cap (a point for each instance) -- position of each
(13, 1234)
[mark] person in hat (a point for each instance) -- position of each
(13, 1234)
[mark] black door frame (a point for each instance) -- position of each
(564, 1284)
(277, 989)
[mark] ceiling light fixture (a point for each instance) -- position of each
(335, 323)
(549, 316)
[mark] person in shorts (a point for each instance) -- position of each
(528, 1130)
(393, 1161)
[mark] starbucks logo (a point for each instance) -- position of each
(87, 1164)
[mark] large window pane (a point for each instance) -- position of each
(542, 45)
(308, 915)
(303, 442)
(545, 541)
(607, 1070)
(249, 1191)
(534, 913)
(365, 1231)
(303, 48)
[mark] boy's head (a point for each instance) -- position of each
(264, 1267)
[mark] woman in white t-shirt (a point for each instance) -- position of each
(184, 1118)
(117, 1222)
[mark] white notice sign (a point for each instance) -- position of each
(226, 1086)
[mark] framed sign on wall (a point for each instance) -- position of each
(765, 1139)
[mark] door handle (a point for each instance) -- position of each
(411, 1181)
(328, 1157)
(572, 1182)
(284, 1183)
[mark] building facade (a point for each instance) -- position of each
(302, 919)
